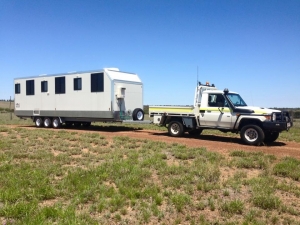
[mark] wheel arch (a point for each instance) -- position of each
(249, 121)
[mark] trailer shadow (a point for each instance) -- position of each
(91, 128)
(103, 128)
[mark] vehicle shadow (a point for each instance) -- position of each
(212, 137)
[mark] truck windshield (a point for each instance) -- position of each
(236, 99)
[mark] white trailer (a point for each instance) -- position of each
(79, 98)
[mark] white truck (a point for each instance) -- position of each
(225, 111)
(79, 98)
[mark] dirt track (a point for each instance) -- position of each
(215, 143)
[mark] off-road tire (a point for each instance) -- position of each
(175, 129)
(271, 137)
(252, 135)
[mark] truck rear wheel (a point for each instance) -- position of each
(175, 129)
(39, 122)
(252, 135)
(271, 136)
(47, 122)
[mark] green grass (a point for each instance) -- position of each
(67, 177)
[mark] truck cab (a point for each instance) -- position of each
(226, 111)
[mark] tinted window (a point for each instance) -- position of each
(29, 87)
(60, 85)
(97, 82)
(44, 86)
(77, 84)
(17, 88)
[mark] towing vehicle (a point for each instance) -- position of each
(225, 111)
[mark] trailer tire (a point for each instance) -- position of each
(56, 123)
(252, 135)
(39, 122)
(271, 136)
(176, 129)
(47, 122)
(138, 114)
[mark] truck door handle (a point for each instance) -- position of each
(202, 111)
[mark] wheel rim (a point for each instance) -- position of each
(47, 122)
(55, 123)
(38, 122)
(251, 135)
(139, 115)
(175, 128)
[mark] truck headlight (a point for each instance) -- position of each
(273, 116)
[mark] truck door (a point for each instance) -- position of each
(217, 113)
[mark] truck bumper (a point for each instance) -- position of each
(277, 126)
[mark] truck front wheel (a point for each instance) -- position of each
(252, 134)
(175, 129)
(271, 136)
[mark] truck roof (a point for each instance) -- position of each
(218, 91)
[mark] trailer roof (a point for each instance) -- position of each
(118, 75)
(113, 73)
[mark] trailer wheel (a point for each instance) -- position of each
(252, 134)
(138, 114)
(271, 136)
(39, 122)
(47, 122)
(56, 123)
(175, 129)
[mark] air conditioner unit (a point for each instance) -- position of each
(120, 92)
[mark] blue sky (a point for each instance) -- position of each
(251, 47)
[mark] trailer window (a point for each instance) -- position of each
(44, 86)
(97, 82)
(29, 87)
(77, 84)
(17, 88)
(60, 85)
